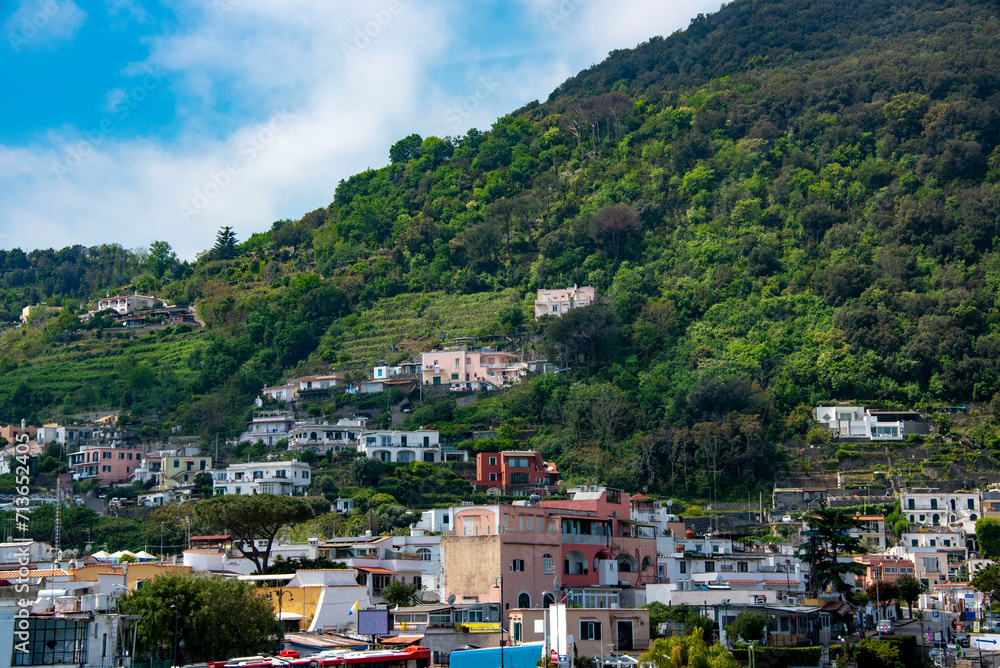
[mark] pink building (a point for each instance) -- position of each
(557, 302)
(882, 568)
(579, 547)
(471, 369)
(105, 462)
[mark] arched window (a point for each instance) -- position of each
(936, 518)
(312, 436)
(524, 600)
(548, 598)
(912, 519)
(972, 517)
(646, 563)
(546, 563)
(425, 554)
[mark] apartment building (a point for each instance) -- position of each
(462, 369)
(108, 463)
(930, 507)
(557, 302)
(281, 477)
(516, 473)
(420, 445)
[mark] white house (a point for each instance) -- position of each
(318, 383)
(268, 427)
(858, 422)
(421, 445)
(284, 393)
(930, 507)
(322, 438)
(126, 304)
(282, 477)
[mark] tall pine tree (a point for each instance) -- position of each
(225, 244)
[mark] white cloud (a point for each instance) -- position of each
(333, 85)
(38, 23)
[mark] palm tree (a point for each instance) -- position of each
(919, 616)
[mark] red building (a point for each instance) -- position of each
(515, 473)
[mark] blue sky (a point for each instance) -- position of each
(128, 121)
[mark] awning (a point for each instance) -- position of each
(289, 616)
(376, 570)
(479, 627)
(402, 640)
(258, 578)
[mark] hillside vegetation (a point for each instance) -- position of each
(788, 203)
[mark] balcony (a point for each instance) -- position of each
(586, 539)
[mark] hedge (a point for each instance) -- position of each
(781, 657)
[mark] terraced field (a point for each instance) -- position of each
(82, 374)
(401, 323)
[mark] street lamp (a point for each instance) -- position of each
(498, 584)
(281, 594)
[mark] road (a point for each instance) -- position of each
(911, 627)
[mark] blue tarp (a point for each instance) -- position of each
(519, 656)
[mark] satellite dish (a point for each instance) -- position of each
(451, 600)
(88, 547)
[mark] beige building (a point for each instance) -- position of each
(462, 369)
(557, 302)
(596, 631)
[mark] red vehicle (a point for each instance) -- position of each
(410, 657)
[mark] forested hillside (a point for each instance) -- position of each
(788, 203)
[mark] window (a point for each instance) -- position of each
(177, 463)
(493, 477)
(105, 455)
(190, 466)
(106, 469)
(515, 631)
(54, 641)
(519, 478)
(614, 496)
(934, 504)
(742, 567)
(121, 455)
(590, 630)
(546, 563)
(524, 600)
(933, 543)
(493, 461)
(518, 462)
(517, 565)
(889, 570)
(454, 376)
(910, 504)
(709, 566)
(402, 440)
(379, 582)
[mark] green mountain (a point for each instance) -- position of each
(788, 203)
